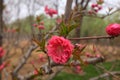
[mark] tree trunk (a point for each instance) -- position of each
(78, 29)
(1, 30)
(68, 9)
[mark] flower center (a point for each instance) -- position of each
(59, 50)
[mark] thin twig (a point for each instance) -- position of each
(106, 75)
(108, 72)
(93, 37)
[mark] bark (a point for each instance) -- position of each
(68, 9)
(78, 29)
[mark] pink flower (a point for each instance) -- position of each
(41, 27)
(2, 52)
(88, 55)
(41, 23)
(94, 5)
(41, 58)
(50, 11)
(58, 21)
(113, 29)
(59, 49)
(98, 55)
(78, 69)
(35, 72)
(35, 25)
(99, 7)
(3, 65)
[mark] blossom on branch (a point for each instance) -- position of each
(113, 29)
(59, 49)
(3, 65)
(50, 11)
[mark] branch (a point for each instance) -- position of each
(24, 59)
(102, 17)
(59, 69)
(111, 13)
(86, 4)
(106, 75)
(46, 70)
(93, 37)
(68, 9)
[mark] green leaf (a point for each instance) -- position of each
(38, 50)
(42, 45)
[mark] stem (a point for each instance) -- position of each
(93, 37)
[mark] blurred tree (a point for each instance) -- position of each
(1, 29)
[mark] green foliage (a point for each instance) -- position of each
(93, 26)
(65, 29)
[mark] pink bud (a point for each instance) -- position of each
(36, 72)
(94, 5)
(88, 55)
(58, 21)
(41, 27)
(113, 29)
(35, 25)
(99, 7)
(98, 55)
(41, 23)
(96, 10)
(41, 58)
(50, 11)
(78, 69)
(3, 65)
(2, 52)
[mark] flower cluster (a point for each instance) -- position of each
(40, 25)
(113, 29)
(95, 8)
(50, 11)
(59, 49)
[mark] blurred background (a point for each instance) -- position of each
(20, 15)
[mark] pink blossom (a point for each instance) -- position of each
(3, 65)
(94, 5)
(41, 58)
(78, 69)
(98, 55)
(50, 11)
(35, 25)
(59, 49)
(58, 21)
(99, 7)
(35, 72)
(113, 29)
(41, 27)
(2, 52)
(88, 55)
(41, 23)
